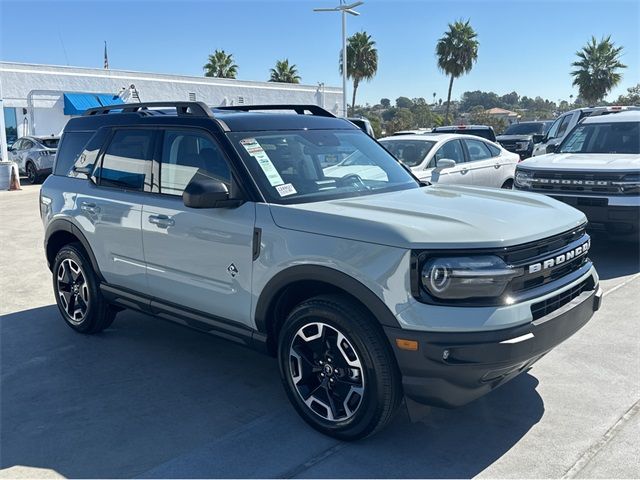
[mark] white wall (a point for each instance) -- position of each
(18, 80)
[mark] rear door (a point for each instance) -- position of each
(110, 208)
(201, 259)
(460, 173)
(484, 166)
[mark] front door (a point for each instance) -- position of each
(197, 258)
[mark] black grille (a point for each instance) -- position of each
(532, 250)
(510, 145)
(540, 309)
(579, 182)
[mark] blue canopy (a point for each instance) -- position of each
(77, 103)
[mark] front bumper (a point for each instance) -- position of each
(607, 213)
(450, 369)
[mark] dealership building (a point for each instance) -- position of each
(40, 99)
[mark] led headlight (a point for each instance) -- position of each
(520, 146)
(630, 183)
(451, 278)
(523, 179)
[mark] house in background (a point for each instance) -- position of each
(508, 116)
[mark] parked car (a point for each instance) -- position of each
(34, 156)
(366, 290)
(453, 158)
(565, 123)
(417, 131)
(521, 137)
(596, 169)
(483, 131)
(363, 124)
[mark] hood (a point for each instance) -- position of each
(584, 161)
(438, 216)
(514, 138)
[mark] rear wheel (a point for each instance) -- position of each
(508, 185)
(337, 368)
(32, 174)
(78, 297)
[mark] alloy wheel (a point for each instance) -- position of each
(326, 371)
(31, 173)
(73, 290)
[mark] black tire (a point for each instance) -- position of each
(508, 185)
(32, 174)
(380, 378)
(73, 290)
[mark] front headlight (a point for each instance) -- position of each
(523, 179)
(630, 183)
(523, 145)
(450, 278)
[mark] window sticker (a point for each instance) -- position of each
(286, 189)
(254, 149)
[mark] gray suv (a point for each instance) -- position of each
(367, 285)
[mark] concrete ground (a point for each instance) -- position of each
(151, 399)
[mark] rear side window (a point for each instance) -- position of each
(126, 162)
(71, 147)
(562, 129)
(186, 153)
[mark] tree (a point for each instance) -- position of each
(284, 73)
(220, 65)
(402, 120)
(385, 102)
(404, 102)
(362, 58)
(631, 98)
(597, 69)
(457, 51)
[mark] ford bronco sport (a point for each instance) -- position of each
(367, 285)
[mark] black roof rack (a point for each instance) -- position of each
(192, 109)
(299, 109)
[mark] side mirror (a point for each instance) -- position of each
(206, 192)
(551, 148)
(445, 163)
(538, 137)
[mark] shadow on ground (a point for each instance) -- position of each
(149, 398)
(614, 258)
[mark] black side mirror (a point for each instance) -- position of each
(551, 148)
(206, 192)
(538, 137)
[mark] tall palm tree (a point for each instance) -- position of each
(597, 69)
(220, 65)
(457, 51)
(285, 73)
(362, 60)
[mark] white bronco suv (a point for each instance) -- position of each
(595, 169)
(367, 287)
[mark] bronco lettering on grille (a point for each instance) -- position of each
(562, 258)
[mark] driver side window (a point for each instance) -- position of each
(451, 150)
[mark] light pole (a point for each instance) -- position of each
(343, 9)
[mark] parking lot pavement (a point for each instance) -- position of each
(151, 399)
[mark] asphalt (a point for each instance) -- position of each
(151, 399)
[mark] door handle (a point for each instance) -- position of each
(90, 208)
(464, 171)
(162, 221)
(497, 165)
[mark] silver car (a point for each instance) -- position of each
(34, 156)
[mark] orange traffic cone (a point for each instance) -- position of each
(15, 178)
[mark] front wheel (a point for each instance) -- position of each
(337, 368)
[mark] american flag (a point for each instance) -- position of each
(106, 58)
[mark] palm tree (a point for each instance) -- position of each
(597, 68)
(220, 65)
(285, 73)
(457, 51)
(362, 60)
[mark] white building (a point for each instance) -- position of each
(40, 99)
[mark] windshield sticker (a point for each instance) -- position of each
(254, 149)
(286, 189)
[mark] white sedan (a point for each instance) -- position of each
(454, 158)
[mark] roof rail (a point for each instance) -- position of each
(299, 109)
(192, 109)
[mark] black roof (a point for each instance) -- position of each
(240, 118)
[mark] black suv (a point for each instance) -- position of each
(521, 137)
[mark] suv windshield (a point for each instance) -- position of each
(613, 137)
(409, 152)
(315, 165)
(525, 128)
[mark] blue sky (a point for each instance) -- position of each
(526, 46)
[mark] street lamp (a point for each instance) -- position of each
(343, 9)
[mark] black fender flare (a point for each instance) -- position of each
(61, 224)
(326, 275)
